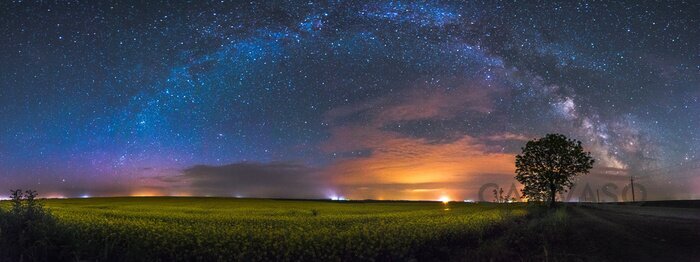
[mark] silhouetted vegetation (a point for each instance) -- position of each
(28, 232)
(548, 165)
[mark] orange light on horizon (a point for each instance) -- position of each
(55, 196)
(413, 169)
(146, 194)
(444, 199)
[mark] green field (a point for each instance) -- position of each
(226, 229)
(250, 229)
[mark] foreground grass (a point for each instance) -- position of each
(209, 229)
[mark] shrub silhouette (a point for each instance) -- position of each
(28, 232)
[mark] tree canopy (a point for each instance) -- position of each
(548, 166)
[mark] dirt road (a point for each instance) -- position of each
(634, 233)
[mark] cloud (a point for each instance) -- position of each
(413, 168)
(362, 125)
(507, 136)
(419, 103)
(249, 179)
(425, 103)
(399, 165)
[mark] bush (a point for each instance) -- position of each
(28, 232)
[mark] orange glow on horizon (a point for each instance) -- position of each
(147, 193)
(444, 199)
(413, 169)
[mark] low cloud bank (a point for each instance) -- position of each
(251, 179)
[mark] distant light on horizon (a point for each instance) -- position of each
(444, 199)
(55, 197)
(146, 194)
(337, 198)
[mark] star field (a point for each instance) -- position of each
(370, 99)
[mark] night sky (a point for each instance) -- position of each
(360, 99)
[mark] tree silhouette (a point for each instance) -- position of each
(28, 231)
(548, 165)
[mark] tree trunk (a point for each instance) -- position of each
(552, 195)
